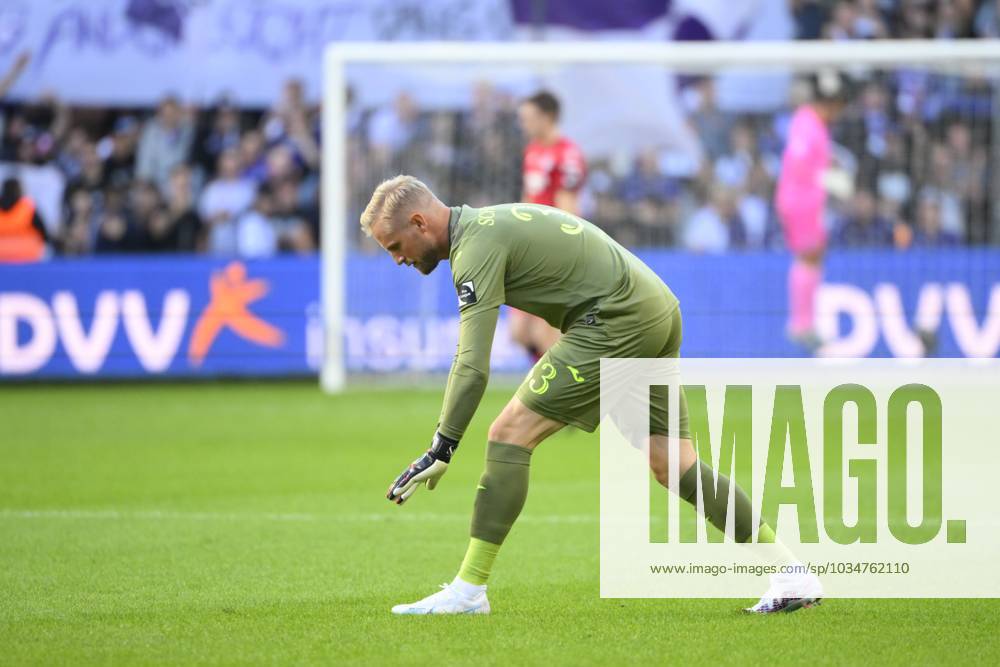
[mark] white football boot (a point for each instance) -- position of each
(789, 592)
(448, 600)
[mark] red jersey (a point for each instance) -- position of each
(551, 168)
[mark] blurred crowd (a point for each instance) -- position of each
(472, 156)
(232, 181)
(916, 143)
(897, 19)
(219, 180)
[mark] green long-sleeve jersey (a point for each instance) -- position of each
(546, 262)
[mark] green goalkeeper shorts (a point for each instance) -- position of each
(565, 383)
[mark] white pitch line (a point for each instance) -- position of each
(151, 515)
(170, 515)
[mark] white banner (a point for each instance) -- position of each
(133, 52)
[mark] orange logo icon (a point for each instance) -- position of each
(232, 294)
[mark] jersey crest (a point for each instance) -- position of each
(466, 294)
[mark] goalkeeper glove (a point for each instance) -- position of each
(428, 468)
(838, 182)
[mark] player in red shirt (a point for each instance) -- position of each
(554, 171)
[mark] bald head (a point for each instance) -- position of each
(409, 221)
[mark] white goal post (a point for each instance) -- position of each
(698, 57)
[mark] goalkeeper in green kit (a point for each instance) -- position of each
(606, 302)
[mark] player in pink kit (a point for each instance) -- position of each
(554, 171)
(806, 179)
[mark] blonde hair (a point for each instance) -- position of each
(391, 197)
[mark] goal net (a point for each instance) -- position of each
(683, 146)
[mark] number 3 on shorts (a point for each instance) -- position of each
(548, 371)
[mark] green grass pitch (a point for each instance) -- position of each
(245, 523)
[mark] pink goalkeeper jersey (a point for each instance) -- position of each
(800, 197)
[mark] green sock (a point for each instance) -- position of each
(478, 561)
(768, 547)
(499, 499)
(716, 507)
